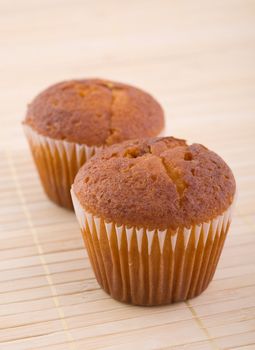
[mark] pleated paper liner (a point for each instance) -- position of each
(57, 161)
(155, 267)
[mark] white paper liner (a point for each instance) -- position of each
(58, 161)
(152, 267)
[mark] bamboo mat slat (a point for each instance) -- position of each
(197, 58)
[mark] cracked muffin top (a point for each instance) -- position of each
(95, 112)
(155, 183)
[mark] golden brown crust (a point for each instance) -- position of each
(95, 112)
(156, 183)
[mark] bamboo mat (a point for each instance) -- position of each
(197, 58)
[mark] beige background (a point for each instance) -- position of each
(198, 59)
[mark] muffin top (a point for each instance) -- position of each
(95, 112)
(155, 183)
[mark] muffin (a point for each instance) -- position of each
(68, 122)
(154, 215)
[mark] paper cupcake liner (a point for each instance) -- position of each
(152, 267)
(57, 162)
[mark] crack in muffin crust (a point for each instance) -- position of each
(175, 177)
(171, 172)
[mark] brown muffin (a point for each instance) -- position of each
(163, 207)
(95, 112)
(156, 183)
(69, 121)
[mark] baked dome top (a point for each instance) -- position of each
(155, 183)
(95, 112)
